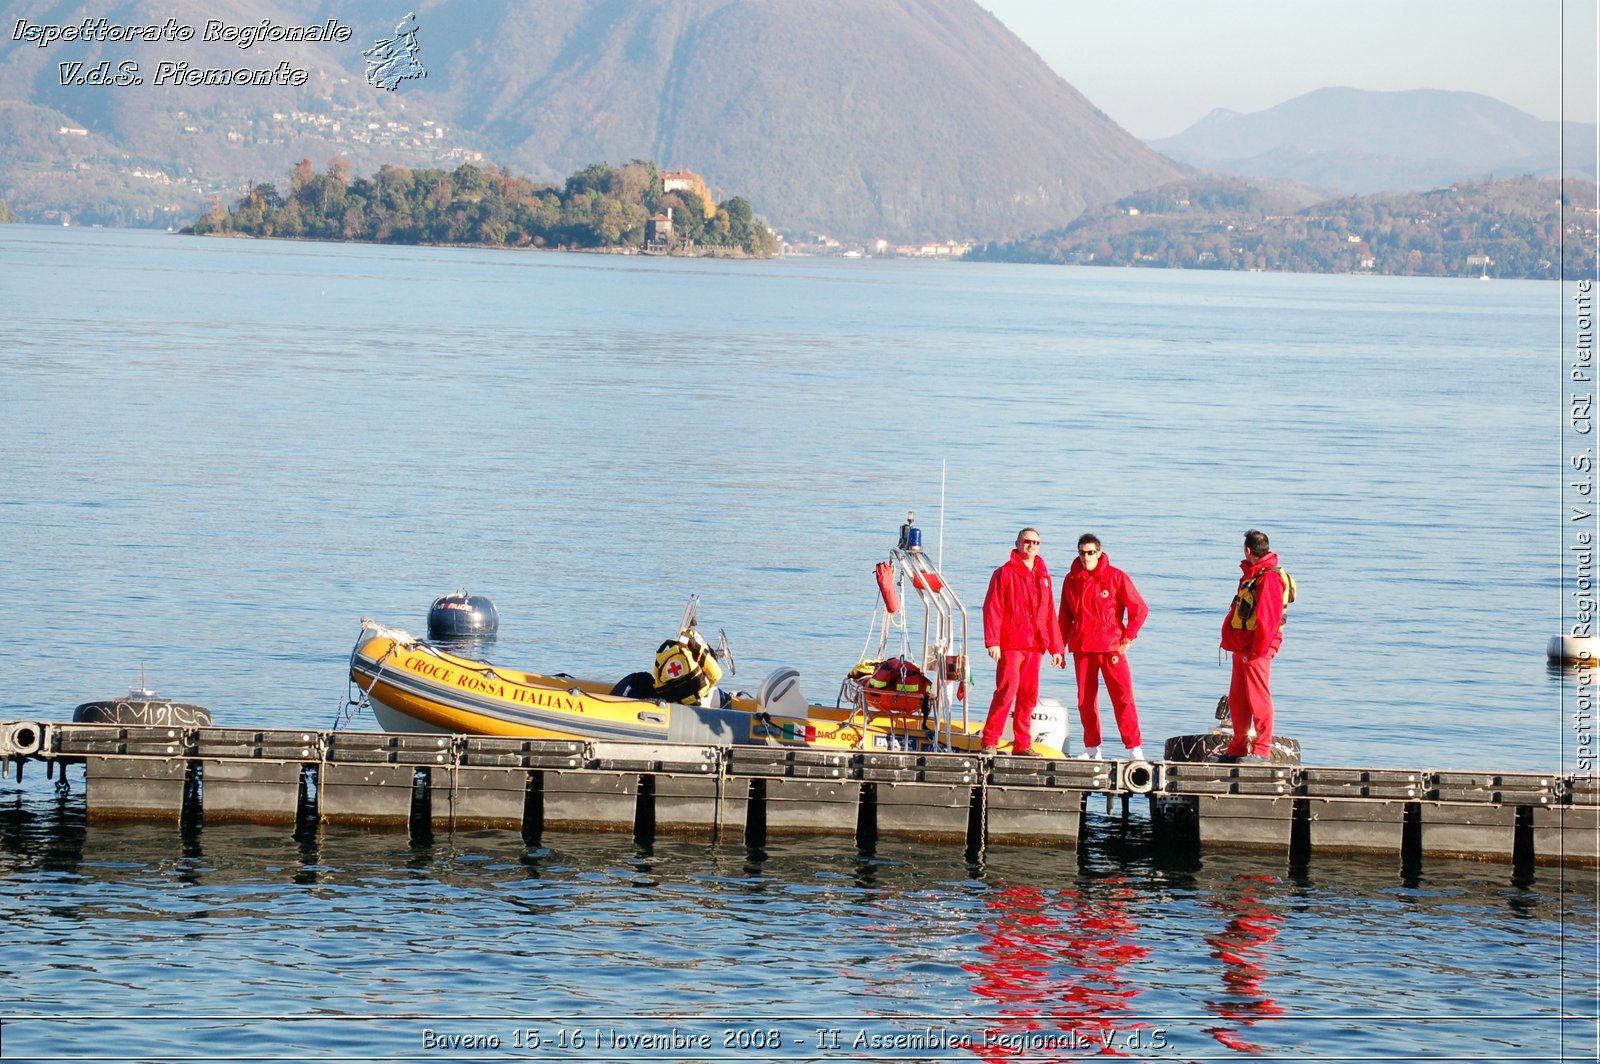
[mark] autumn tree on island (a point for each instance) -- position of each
(600, 206)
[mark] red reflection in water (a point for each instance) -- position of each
(1243, 947)
(1053, 962)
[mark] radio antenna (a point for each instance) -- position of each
(942, 463)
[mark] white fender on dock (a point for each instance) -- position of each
(1574, 649)
(1050, 724)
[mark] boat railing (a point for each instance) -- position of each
(944, 638)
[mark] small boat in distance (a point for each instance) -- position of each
(905, 701)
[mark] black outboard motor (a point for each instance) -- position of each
(462, 616)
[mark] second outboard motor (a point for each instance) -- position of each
(461, 615)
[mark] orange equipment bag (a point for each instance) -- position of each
(897, 687)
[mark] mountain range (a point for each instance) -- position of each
(1343, 140)
(860, 119)
(906, 120)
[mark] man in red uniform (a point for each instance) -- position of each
(1019, 626)
(1101, 614)
(1253, 631)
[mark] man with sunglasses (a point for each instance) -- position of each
(1019, 627)
(1101, 614)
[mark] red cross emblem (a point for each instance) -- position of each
(675, 668)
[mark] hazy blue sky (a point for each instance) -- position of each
(1158, 66)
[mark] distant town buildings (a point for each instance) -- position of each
(347, 128)
(360, 131)
(822, 244)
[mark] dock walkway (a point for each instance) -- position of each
(442, 783)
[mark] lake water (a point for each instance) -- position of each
(220, 455)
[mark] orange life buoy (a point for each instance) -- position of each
(891, 597)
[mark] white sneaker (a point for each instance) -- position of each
(1090, 753)
(1135, 753)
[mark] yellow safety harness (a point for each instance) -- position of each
(1242, 614)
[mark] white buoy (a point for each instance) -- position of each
(1574, 649)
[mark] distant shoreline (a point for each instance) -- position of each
(619, 249)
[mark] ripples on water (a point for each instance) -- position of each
(221, 454)
(242, 939)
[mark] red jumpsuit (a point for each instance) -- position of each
(1100, 608)
(1018, 617)
(1254, 646)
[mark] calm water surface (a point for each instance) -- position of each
(220, 455)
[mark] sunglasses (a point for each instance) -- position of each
(1088, 552)
(1030, 543)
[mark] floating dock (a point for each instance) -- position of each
(431, 784)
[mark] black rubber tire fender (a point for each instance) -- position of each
(142, 711)
(1207, 745)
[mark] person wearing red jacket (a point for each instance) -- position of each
(1019, 627)
(1101, 614)
(1253, 632)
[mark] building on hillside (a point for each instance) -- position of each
(689, 181)
(673, 180)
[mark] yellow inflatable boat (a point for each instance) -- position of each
(907, 701)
